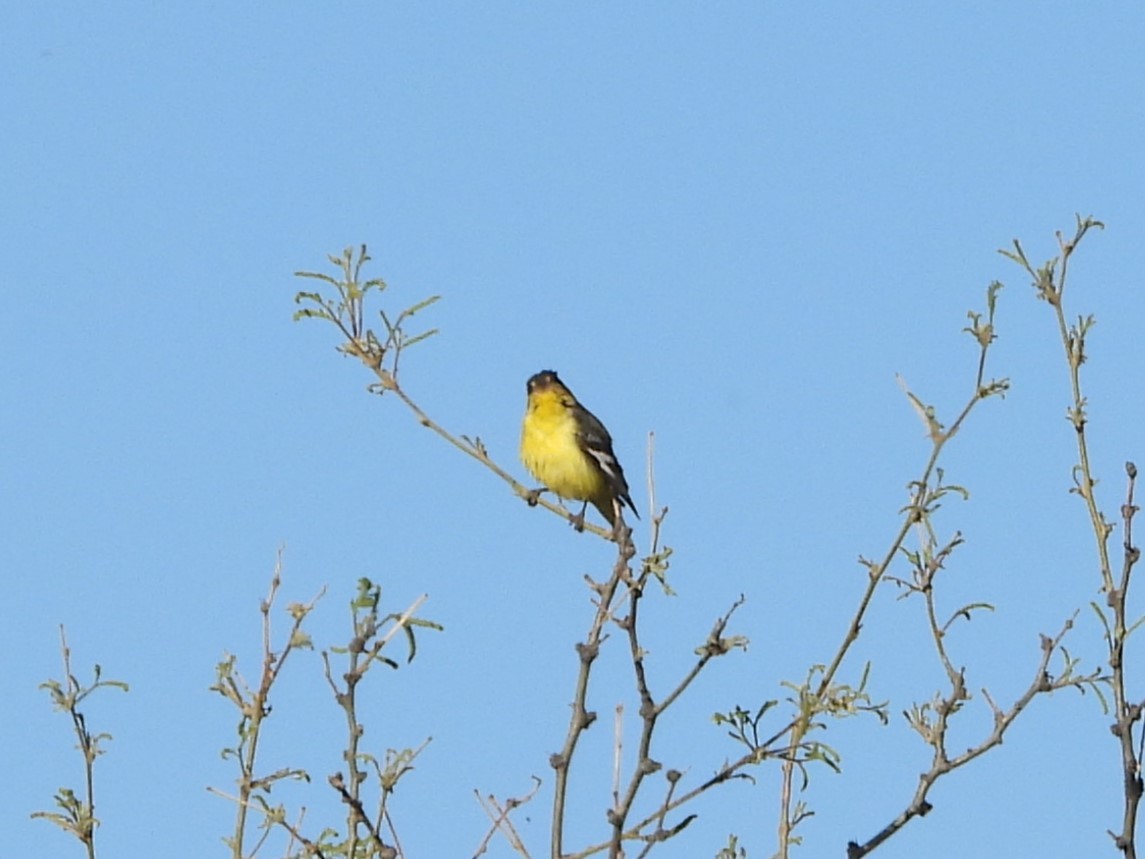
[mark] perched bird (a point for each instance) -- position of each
(566, 448)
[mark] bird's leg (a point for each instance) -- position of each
(578, 519)
(532, 496)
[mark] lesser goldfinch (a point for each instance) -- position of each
(568, 449)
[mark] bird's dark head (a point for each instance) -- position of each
(542, 380)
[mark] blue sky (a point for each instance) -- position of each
(728, 225)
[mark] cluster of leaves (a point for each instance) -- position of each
(366, 834)
(76, 814)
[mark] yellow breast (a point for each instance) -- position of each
(550, 451)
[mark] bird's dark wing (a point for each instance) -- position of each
(594, 440)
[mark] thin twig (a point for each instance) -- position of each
(942, 764)
(915, 511)
(582, 717)
(1127, 714)
(499, 815)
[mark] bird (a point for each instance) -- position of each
(567, 448)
